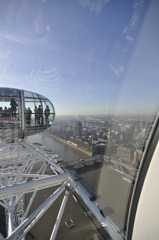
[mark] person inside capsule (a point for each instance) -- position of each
(13, 107)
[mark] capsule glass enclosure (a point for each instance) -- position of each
(23, 113)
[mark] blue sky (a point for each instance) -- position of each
(86, 56)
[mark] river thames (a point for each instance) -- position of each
(64, 150)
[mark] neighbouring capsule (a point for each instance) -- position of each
(23, 113)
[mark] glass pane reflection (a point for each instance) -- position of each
(39, 111)
(9, 112)
(111, 174)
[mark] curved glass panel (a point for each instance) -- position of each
(9, 107)
(9, 92)
(10, 114)
(35, 95)
(28, 94)
(39, 111)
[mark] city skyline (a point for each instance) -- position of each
(87, 57)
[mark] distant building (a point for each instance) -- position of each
(98, 149)
(78, 129)
(101, 140)
(125, 153)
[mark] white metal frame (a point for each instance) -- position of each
(26, 168)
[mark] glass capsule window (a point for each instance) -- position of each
(9, 112)
(39, 111)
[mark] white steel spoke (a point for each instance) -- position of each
(18, 198)
(30, 204)
(26, 187)
(4, 205)
(34, 217)
(27, 175)
(24, 168)
(6, 202)
(42, 156)
(11, 217)
(14, 168)
(59, 217)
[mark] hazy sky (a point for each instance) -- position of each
(86, 56)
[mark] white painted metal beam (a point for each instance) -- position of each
(26, 175)
(36, 215)
(42, 156)
(59, 217)
(11, 216)
(30, 186)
